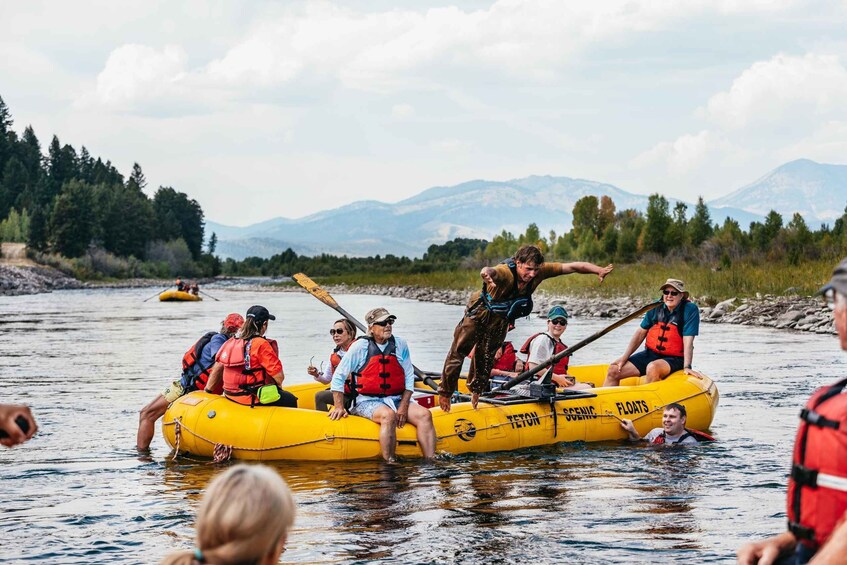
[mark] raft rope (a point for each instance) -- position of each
(225, 451)
(179, 426)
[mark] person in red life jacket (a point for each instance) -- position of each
(542, 346)
(249, 365)
(16, 424)
(670, 330)
(343, 334)
(672, 432)
(378, 370)
(197, 363)
(817, 485)
(506, 295)
(506, 361)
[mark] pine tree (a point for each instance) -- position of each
(700, 226)
(658, 223)
(38, 228)
(137, 179)
(213, 243)
(13, 183)
(72, 220)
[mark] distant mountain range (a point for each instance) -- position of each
(483, 209)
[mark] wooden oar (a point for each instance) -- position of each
(315, 290)
(207, 294)
(157, 294)
(569, 351)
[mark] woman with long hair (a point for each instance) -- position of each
(250, 366)
(244, 518)
(343, 334)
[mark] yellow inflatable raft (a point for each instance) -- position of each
(195, 423)
(169, 295)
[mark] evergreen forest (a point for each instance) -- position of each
(81, 215)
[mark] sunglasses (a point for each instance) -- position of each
(338, 331)
(670, 292)
(559, 322)
(384, 323)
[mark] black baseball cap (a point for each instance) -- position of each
(260, 314)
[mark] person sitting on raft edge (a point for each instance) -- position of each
(672, 432)
(506, 295)
(197, 364)
(343, 335)
(670, 330)
(362, 372)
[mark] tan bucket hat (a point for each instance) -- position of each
(676, 284)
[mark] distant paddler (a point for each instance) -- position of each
(506, 295)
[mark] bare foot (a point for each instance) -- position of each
(474, 399)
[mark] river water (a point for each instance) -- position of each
(88, 360)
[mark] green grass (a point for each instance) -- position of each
(637, 280)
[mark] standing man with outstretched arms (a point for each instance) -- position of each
(506, 295)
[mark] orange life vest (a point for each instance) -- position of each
(192, 357)
(335, 361)
(665, 336)
(561, 366)
(243, 374)
(699, 436)
(381, 374)
(507, 358)
(817, 487)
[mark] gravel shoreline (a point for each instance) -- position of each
(800, 313)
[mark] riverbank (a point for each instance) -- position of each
(793, 312)
(18, 280)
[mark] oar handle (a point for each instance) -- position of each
(569, 351)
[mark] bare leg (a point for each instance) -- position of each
(657, 370)
(387, 420)
(421, 418)
(147, 421)
(615, 375)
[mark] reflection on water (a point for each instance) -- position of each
(87, 361)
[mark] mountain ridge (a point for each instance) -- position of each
(481, 208)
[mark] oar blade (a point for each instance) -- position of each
(315, 290)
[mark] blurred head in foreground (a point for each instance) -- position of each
(244, 517)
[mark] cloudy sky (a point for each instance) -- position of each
(270, 109)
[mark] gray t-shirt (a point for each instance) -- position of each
(656, 432)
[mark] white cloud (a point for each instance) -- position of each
(137, 73)
(782, 89)
(452, 146)
(687, 153)
(403, 111)
(827, 144)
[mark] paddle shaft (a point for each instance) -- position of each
(207, 294)
(569, 351)
(155, 295)
(322, 295)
